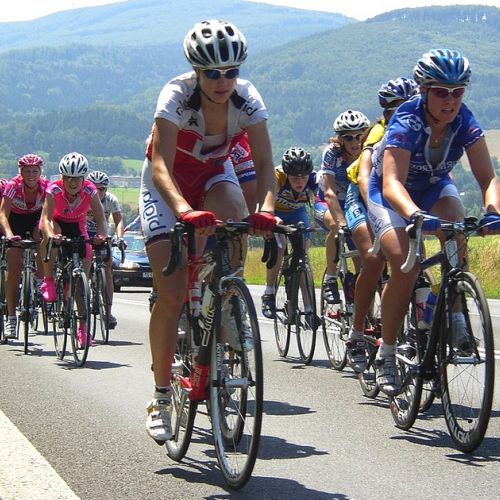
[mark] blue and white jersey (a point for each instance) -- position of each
(334, 164)
(409, 130)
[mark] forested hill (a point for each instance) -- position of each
(157, 22)
(100, 98)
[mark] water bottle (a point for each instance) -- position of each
(199, 379)
(422, 291)
(349, 287)
(429, 307)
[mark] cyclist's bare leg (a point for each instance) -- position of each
(165, 313)
(398, 289)
(226, 201)
(366, 284)
(48, 267)
(331, 254)
(14, 269)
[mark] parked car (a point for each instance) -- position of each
(135, 270)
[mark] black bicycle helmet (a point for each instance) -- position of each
(296, 161)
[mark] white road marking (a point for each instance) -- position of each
(24, 473)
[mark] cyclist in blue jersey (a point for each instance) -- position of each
(425, 138)
(350, 127)
(390, 95)
(295, 184)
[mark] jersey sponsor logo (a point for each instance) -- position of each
(249, 110)
(150, 212)
(193, 121)
(238, 153)
(414, 122)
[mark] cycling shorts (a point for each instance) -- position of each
(21, 224)
(320, 209)
(354, 209)
(294, 217)
(157, 219)
(383, 218)
(73, 230)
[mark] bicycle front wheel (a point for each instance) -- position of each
(3, 308)
(100, 306)
(78, 312)
(25, 310)
(404, 407)
(236, 389)
(306, 322)
(56, 313)
(183, 409)
(336, 324)
(467, 362)
(282, 325)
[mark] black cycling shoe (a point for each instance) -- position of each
(331, 291)
(269, 305)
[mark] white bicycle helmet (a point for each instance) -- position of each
(215, 44)
(98, 177)
(73, 165)
(350, 120)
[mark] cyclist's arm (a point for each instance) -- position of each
(163, 154)
(260, 145)
(118, 220)
(47, 216)
(4, 217)
(329, 189)
(396, 164)
(482, 168)
(98, 211)
(365, 167)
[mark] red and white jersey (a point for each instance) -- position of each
(180, 103)
(75, 211)
(14, 190)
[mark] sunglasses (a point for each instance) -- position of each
(215, 74)
(351, 138)
(444, 92)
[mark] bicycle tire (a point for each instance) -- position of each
(335, 324)
(100, 305)
(405, 406)
(467, 375)
(58, 318)
(236, 398)
(25, 309)
(282, 324)
(183, 409)
(3, 307)
(79, 348)
(305, 317)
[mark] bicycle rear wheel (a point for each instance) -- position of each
(282, 326)
(80, 346)
(336, 324)
(100, 306)
(236, 391)
(305, 323)
(467, 362)
(183, 409)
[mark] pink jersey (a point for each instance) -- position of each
(75, 211)
(14, 190)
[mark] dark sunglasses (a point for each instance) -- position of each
(215, 74)
(444, 92)
(350, 138)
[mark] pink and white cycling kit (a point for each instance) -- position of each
(14, 190)
(74, 213)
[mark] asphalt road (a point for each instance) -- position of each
(321, 438)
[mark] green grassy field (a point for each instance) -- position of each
(129, 196)
(484, 255)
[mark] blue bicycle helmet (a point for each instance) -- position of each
(442, 66)
(396, 90)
